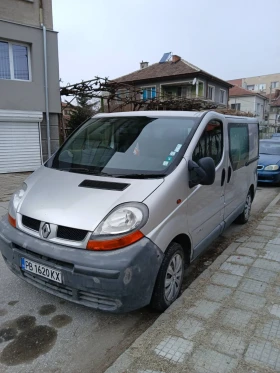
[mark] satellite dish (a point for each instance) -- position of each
(194, 81)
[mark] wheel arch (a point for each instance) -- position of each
(252, 191)
(185, 241)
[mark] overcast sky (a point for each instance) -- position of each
(108, 38)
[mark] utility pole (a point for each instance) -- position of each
(269, 102)
(270, 92)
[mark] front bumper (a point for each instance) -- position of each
(269, 176)
(115, 281)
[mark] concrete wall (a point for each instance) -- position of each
(29, 95)
(26, 12)
(263, 79)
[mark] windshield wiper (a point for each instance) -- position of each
(141, 176)
(83, 170)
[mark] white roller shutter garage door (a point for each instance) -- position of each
(20, 145)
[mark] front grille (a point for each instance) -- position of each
(31, 223)
(98, 301)
(266, 177)
(65, 233)
(55, 287)
(71, 234)
(86, 298)
(46, 259)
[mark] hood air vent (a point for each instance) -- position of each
(107, 185)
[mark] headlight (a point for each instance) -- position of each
(120, 228)
(14, 202)
(272, 167)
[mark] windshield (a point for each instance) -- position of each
(269, 147)
(125, 145)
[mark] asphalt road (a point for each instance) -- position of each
(41, 333)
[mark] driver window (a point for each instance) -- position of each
(210, 143)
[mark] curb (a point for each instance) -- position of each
(272, 203)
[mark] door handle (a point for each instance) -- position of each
(223, 177)
(229, 174)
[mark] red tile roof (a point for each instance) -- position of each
(238, 91)
(169, 69)
(275, 98)
(236, 82)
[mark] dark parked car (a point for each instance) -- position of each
(269, 161)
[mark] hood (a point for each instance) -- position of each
(55, 197)
(268, 159)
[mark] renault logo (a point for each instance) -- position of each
(45, 230)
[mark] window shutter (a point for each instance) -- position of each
(144, 94)
(153, 92)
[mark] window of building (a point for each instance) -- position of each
(14, 61)
(149, 92)
(236, 106)
(258, 108)
(210, 143)
(251, 87)
(274, 85)
(262, 87)
(238, 145)
(211, 93)
(222, 96)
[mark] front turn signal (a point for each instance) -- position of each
(12, 221)
(116, 243)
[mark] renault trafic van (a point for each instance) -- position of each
(114, 217)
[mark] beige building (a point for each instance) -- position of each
(30, 100)
(263, 84)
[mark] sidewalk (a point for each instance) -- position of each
(8, 185)
(228, 320)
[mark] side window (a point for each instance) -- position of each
(253, 141)
(210, 143)
(238, 145)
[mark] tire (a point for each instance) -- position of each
(164, 295)
(245, 215)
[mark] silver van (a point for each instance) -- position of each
(114, 217)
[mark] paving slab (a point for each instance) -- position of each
(248, 251)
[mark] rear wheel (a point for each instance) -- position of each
(245, 215)
(170, 278)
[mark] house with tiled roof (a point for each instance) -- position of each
(241, 99)
(176, 77)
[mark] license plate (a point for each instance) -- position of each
(41, 270)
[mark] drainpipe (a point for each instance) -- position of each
(46, 79)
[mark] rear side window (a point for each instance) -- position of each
(210, 143)
(253, 141)
(238, 145)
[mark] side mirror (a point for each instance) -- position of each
(202, 172)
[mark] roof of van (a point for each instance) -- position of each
(195, 114)
(153, 113)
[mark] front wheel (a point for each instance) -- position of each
(245, 215)
(170, 278)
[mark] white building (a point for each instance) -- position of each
(248, 101)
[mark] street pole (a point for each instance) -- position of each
(269, 102)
